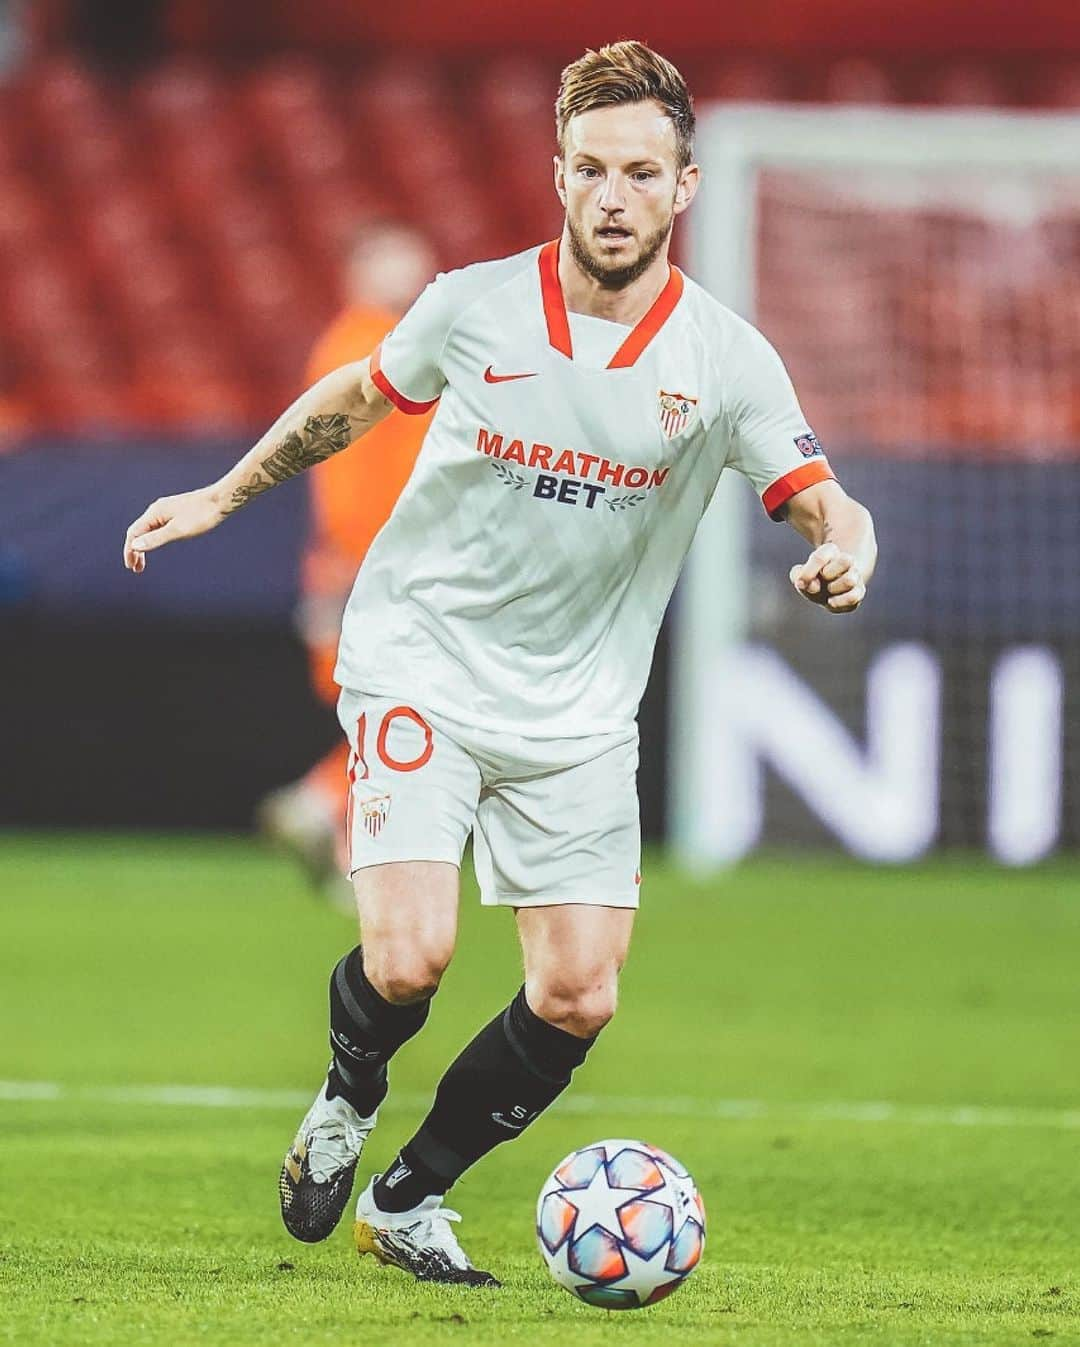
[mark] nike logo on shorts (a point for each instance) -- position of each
(490, 378)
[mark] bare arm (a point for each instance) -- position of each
(836, 573)
(329, 416)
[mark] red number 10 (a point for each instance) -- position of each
(395, 713)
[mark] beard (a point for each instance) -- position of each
(617, 276)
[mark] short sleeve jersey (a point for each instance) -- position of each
(520, 582)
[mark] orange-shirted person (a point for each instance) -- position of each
(352, 495)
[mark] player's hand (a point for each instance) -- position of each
(830, 578)
(166, 521)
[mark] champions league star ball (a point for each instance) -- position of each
(620, 1224)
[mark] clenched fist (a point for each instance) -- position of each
(830, 578)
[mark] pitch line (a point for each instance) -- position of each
(227, 1097)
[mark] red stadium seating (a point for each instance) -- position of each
(170, 246)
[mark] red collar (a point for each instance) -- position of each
(558, 325)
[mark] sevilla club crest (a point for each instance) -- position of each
(373, 813)
(676, 412)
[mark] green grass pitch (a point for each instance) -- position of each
(871, 1073)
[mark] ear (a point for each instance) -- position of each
(560, 178)
(686, 188)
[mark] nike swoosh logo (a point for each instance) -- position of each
(490, 378)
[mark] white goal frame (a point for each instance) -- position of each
(710, 618)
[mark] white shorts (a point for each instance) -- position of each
(553, 821)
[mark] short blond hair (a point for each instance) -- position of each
(626, 72)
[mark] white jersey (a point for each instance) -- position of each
(521, 579)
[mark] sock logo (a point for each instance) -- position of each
(399, 1172)
(518, 1118)
(350, 1050)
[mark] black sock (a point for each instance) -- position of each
(365, 1032)
(512, 1070)
(406, 1182)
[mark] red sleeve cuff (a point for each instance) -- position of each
(387, 389)
(798, 479)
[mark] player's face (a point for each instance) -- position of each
(619, 179)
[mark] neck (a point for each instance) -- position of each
(583, 293)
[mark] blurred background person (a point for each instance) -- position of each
(351, 495)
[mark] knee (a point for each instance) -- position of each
(405, 975)
(580, 1006)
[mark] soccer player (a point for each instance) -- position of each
(352, 496)
(501, 628)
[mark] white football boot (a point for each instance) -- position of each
(317, 1176)
(419, 1241)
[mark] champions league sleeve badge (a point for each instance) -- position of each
(808, 445)
(676, 412)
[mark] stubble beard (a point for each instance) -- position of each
(616, 277)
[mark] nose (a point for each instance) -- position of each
(612, 198)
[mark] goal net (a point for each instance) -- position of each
(920, 275)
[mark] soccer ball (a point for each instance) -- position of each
(620, 1224)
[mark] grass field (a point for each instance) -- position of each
(873, 1075)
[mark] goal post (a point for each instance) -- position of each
(919, 272)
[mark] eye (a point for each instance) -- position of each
(587, 171)
(643, 175)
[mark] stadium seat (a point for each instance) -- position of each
(114, 226)
(78, 383)
(856, 80)
(182, 93)
(401, 87)
(187, 384)
(156, 285)
(236, 219)
(746, 81)
(44, 293)
(1058, 87)
(12, 150)
(25, 214)
(62, 90)
(514, 91)
(90, 160)
(286, 88)
(328, 231)
(966, 85)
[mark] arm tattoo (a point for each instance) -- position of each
(318, 439)
(255, 485)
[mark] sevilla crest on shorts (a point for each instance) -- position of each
(676, 412)
(373, 813)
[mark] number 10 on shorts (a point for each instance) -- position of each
(375, 811)
(358, 769)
